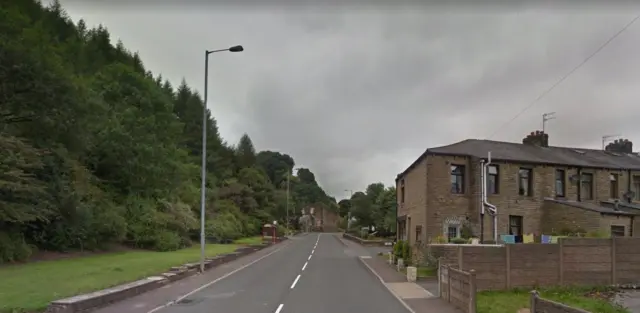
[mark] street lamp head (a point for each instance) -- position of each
(236, 49)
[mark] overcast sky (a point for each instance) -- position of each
(357, 95)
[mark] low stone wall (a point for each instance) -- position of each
(100, 298)
(540, 305)
(369, 243)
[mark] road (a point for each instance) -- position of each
(314, 273)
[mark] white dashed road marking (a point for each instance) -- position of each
(295, 281)
(305, 265)
(279, 308)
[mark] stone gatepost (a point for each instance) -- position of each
(400, 264)
(412, 273)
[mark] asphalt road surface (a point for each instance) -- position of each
(315, 273)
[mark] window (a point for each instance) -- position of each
(560, 183)
(403, 230)
(586, 186)
(402, 191)
(613, 186)
(636, 188)
(457, 179)
(524, 182)
(418, 233)
(452, 232)
(515, 225)
(492, 180)
(617, 231)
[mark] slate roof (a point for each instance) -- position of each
(622, 204)
(590, 207)
(525, 153)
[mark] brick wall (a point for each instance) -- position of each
(574, 261)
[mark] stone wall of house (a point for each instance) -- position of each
(415, 199)
(443, 207)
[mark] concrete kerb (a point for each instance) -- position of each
(101, 298)
(372, 271)
(340, 240)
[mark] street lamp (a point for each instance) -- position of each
(204, 146)
(349, 212)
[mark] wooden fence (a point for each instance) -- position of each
(458, 287)
(540, 305)
(573, 261)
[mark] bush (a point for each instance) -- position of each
(167, 241)
(13, 248)
(459, 240)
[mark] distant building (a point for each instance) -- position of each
(536, 188)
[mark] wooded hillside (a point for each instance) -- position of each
(96, 150)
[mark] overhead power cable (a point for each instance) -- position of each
(563, 78)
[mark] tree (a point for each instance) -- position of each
(374, 207)
(246, 152)
(95, 149)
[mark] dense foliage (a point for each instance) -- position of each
(95, 150)
(376, 207)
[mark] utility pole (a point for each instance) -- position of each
(606, 138)
(288, 175)
(545, 118)
(349, 212)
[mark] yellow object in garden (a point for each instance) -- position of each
(527, 238)
(554, 239)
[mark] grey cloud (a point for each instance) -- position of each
(357, 96)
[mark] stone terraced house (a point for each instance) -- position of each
(536, 188)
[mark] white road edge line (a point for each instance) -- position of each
(294, 282)
(305, 265)
(279, 308)
(216, 280)
(406, 306)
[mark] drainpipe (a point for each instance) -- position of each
(578, 191)
(493, 210)
(629, 199)
(481, 200)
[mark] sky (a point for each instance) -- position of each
(356, 93)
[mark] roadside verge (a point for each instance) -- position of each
(109, 296)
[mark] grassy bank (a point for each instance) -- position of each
(30, 287)
(512, 301)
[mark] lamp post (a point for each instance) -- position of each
(287, 206)
(204, 146)
(349, 212)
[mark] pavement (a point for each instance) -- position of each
(313, 273)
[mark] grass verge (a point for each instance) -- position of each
(249, 241)
(513, 300)
(30, 287)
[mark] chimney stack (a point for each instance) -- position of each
(620, 146)
(537, 138)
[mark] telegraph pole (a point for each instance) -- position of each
(349, 212)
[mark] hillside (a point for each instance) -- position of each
(95, 150)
